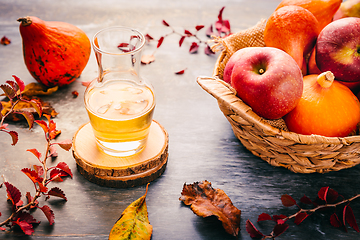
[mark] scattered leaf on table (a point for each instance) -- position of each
(36, 89)
(146, 59)
(180, 72)
(5, 41)
(133, 222)
(206, 201)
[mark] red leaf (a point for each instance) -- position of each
(63, 166)
(13, 193)
(56, 174)
(218, 26)
(208, 50)
(287, 200)
(27, 217)
(209, 31)
(34, 178)
(350, 218)
(39, 169)
(199, 27)
(279, 219)
(225, 26)
(48, 213)
(35, 152)
(251, 229)
(279, 229)
(220, 13)
(25, 227)
(181, 40)
(160, 41)
(148, 38)
(13, 85)
(43, 124)
(188, 33)
(9, 92)
(264, 217)
(52, 152)
(165, 23)
(19, 82)
(66, 144)
(300, 217)
(322, 193)
(306, 200)
(30, 199)
(57, 192)
(194, 47)
(180, 72)
(334, 220)
(332, 195)
(14, 136)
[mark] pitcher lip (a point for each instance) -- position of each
(137, 49)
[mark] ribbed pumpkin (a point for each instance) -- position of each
(55, 53)
(326, 108)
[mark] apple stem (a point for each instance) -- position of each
(261, 71)
(325, 79)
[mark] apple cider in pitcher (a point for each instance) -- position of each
(120, 113)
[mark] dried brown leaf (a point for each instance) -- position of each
(36, 89)
(5, 41)
(206, 201)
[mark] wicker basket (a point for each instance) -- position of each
(269, 139)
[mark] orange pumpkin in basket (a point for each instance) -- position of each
(326, 108)
(323, 10)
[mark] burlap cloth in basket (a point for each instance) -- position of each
(269, 139)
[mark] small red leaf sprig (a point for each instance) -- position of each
(221, 26)
(13, 91)
(41, 176)
(327, 199)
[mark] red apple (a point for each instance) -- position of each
(230, 64)
(338, 49)
(268, 80)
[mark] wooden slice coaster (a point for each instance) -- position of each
(121, 172)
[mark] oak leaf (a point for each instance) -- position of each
(133, 222)
(206, 201)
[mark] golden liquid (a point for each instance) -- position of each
(120, 113)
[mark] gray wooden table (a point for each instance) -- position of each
(202, 145)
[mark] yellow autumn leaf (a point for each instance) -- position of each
(133, 222)
(36, 89)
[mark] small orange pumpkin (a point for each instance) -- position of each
(55, 53)
(326, 108)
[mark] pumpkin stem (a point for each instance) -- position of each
(325, 79)
(25, 21)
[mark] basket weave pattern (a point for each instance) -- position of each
(269, 139)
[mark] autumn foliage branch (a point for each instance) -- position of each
(221, 28)
(41, 175)
(327, 199)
